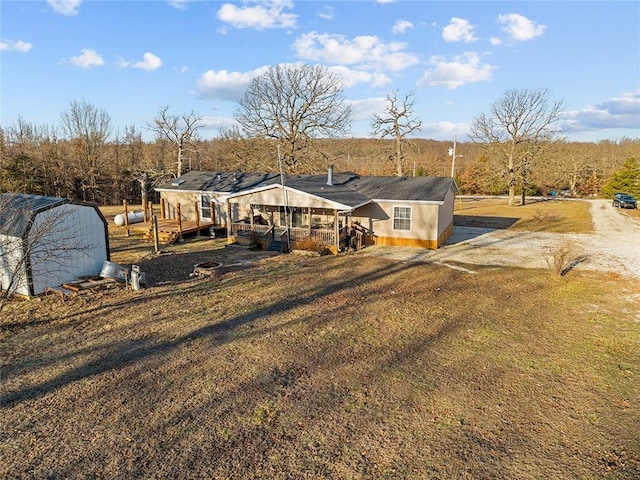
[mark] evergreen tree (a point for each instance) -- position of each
(625, 180)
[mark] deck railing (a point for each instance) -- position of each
(317, 235)
(247, 229)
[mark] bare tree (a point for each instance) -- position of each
(516, 128)
(397, 122)
(88, 129)
(293, 104)
(180, 130)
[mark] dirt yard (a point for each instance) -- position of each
(367, 365)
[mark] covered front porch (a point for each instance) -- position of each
(289, 228)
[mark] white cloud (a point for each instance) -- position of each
(226, 85)
(367, 51)
(179, 4)
(87, 58)
(230, 86)
(259, 14)
(65, 7)
(351, 77)
(459, 30)
(401, 26)
(327, 12)
(519, 28)
(462, 70)
(19, 46)
(217, 123)
(613, 113)
(366, 108)
(150, 62)
(444, 130)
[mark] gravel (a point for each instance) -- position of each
(614, 246)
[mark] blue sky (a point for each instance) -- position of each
(132, 58)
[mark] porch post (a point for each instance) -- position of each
(126, 216)
(212, 208)
(336, 231)
(228, 222)
(309, 213)
(196, 204)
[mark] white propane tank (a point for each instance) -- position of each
(134, 217)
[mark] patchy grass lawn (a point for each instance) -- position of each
(539, 215)
(323, 367)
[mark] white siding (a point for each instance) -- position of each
(445, 214)
(273, 196)
(74, 246)
(10, 267)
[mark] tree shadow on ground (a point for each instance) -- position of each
(122, 354)
(495, 223)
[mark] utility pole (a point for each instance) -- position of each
(452, 154)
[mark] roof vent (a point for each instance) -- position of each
(330, 175)
(177, 182)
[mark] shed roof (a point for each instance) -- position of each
(17, 211)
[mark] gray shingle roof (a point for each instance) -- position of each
(17, 211)
(347, 189)
(219, 182)
(338, 192)
(432, 189)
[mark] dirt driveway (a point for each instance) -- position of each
(614, 246)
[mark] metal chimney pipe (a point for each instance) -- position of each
(330, 175)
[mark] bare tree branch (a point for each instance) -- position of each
(397, 122)
(294, 104)
(518, 124)
(181, 131)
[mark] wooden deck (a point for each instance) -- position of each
(170, 230)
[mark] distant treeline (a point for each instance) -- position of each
(106, 172)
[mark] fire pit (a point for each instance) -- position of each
(206, 269)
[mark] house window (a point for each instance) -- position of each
(402, 218)
(205, 206)
(293, 216)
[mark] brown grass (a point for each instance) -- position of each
(539, 215)
(323, 367)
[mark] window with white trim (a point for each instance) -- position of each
(205, 206)
(402, 218)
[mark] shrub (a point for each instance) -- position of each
(310, 244)
(561, 258)
(543, 216)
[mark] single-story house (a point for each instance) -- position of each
(48, 241)
(336, 208)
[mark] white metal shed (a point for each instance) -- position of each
(48, 241)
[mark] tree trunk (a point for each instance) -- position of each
(180, 159)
